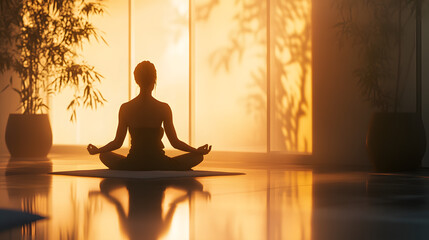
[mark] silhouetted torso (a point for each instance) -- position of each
(144, 117)
(146, 141)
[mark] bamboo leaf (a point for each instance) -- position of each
(4, 89)
(48, 40)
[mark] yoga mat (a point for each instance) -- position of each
(13, 218)
(106, 173)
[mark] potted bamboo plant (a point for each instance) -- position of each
(378, 29)
(40, 42)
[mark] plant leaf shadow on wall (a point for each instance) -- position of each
(289, 64)
(383, 33)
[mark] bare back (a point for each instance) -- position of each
(144, 113)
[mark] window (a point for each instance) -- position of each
(237, 74)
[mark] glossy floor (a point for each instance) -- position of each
(285, 202)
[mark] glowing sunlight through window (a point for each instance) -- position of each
(237, 74)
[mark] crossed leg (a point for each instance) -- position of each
(182, 162)
(188, 160)
(113, 160)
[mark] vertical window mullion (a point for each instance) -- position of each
(268, 79)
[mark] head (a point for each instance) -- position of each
(145, 75)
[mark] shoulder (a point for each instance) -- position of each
(162, 105)
(125, 109)
(165, 109)
(129, 104)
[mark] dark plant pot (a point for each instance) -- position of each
(28, 135)
(396, 141)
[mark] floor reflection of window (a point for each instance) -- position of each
(263, 204)
(290, 204)
(237, 74)
(274, 204)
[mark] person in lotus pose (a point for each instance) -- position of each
(143, 117)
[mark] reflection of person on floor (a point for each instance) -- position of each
(143, 116)
(145, 216)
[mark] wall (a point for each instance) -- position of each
(340, 117)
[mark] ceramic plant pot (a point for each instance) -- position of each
(28, 135)
(396, 141)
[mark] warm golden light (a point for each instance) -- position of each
(80, 212)
(283, 211)
(111, 61)
(179, 226)
(263, 204)
(291, 76)
(248, 87)
(230, 75)
(160, 35)
(291, 207)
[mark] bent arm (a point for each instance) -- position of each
(121, 132)
(170, 131)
